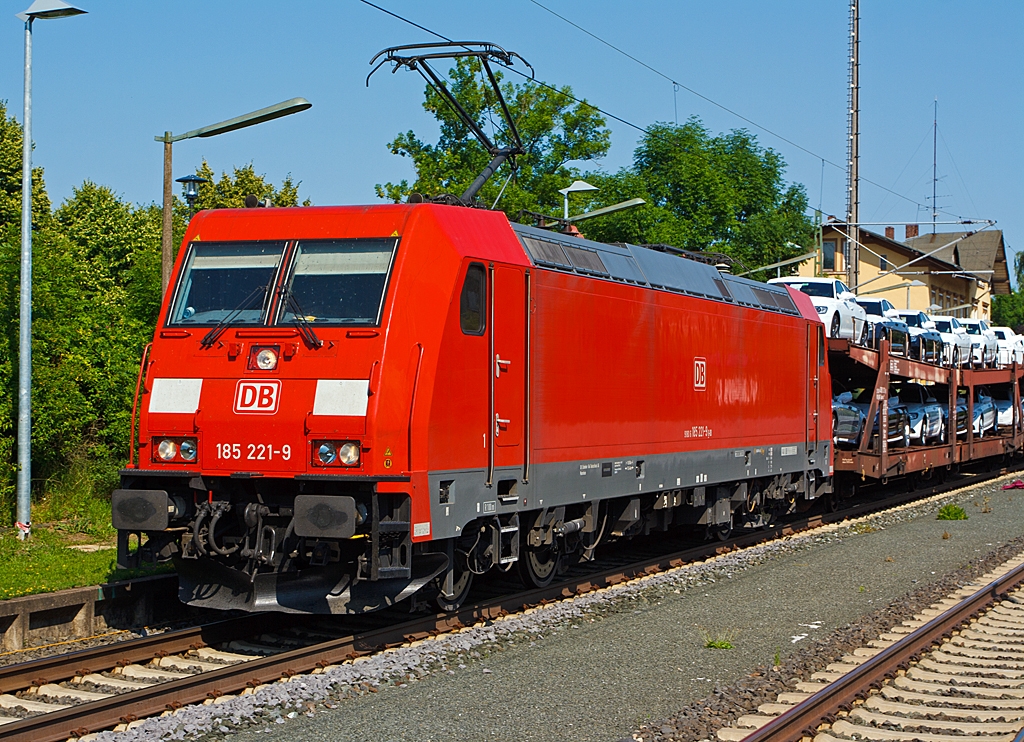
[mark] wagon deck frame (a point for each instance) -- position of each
(876, 459)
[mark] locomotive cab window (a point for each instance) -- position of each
(222, 279)
(338, 281)
(473, 301)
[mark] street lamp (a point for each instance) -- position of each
(269, 113)
(913, 284)
(191, 184)
(44, 9)
(577, 185)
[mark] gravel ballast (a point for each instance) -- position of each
(622, 662)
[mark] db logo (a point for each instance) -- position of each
(257, 397)
(700, 374)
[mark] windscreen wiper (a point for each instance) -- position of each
(218, 329)
(305, 329)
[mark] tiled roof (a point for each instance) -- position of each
(982, 251)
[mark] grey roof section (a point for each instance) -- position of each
(982, 251)
(645, 267)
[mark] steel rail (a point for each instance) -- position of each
(94, 716)
(97, 659)
(804, 718)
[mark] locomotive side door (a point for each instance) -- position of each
(815, 369)
(508, 365)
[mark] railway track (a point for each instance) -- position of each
(931, 679)
(57, 698)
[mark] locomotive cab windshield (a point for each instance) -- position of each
(338, 281)
(325, 281)
(221, 279)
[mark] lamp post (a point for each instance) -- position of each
(191, 184)
(577, 185)
(239, 122)
(913, 284)
(44, 9)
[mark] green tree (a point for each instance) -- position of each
(705, 193)
(122, 241)
(229, 191)
(555, 130)
(11, 142)
(1008, 311)
(89, 328)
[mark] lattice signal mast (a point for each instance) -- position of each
(853, 152)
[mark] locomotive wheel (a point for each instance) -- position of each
(719, 531)
(460, 588)
(538, 564)
(834, 331)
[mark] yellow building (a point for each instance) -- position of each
(904, 274)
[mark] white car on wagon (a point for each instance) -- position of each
(1011, 346)
(984, 344)
(835, 303)
(955, 340)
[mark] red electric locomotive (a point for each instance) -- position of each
(344, 407)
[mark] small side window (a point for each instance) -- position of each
(473, 301)
(828, 255)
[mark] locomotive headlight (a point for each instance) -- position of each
(166, 449)
(349, 454)
(187, 449)
(326, 453)
(266, 359)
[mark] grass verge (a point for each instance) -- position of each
(47, 563)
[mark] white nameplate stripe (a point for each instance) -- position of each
(341, 397)
(175, 395)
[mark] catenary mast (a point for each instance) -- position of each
(852, 254)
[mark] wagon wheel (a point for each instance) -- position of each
(843, 488)
(834, 331)
(460, 587)
(538, 564)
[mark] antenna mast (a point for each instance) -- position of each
(853, 154)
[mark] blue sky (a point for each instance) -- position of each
(106, 83)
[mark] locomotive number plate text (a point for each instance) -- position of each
(253, 451)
